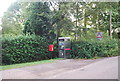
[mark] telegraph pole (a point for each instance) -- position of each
(110, 22)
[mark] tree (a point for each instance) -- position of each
(38, 22)
(11, 20)
(61, 20)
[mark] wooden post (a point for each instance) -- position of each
(111, 24)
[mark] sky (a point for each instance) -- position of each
(4, 4)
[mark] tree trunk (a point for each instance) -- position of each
(97, 24)
(76, 22)
(85, 22)
(85, 18)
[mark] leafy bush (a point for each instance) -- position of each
(24, 49)
(90, 49)
(33, 48)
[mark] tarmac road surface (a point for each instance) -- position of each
(105, 68)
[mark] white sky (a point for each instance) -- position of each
(4, 4)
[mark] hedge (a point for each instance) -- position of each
(34, 48)
(90, 49)
(25, 49)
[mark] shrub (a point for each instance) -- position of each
(90, 49)
(33, 48)
(24, 49)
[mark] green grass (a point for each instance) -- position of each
(97, 57)
(6, 67)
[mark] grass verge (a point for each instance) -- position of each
(6, 67)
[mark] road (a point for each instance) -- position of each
(105, 68)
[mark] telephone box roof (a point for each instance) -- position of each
(64, 38)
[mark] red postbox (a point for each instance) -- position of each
(51, 47)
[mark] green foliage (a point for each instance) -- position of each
(90, 49)
(61, 21)
(78, 20)
(11, 22)
(24, 49)
(60, 18)
(38, 22)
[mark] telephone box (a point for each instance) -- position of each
(64, 47)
